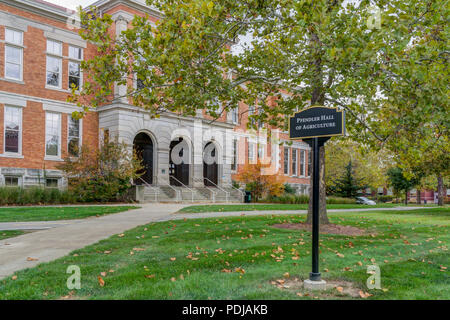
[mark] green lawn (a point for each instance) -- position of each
(5, 234)
(189, 259)
(259, 207)
(57, 213)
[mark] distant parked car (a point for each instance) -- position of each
(364, 200)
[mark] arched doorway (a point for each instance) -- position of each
(179, 163)
(143, 146)
(210, 165)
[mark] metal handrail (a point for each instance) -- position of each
(191, 190)
(239, 190)
(177, 192)
(156, 190)
(213, 192)
(227, 194)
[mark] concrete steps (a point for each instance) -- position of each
(190, 195)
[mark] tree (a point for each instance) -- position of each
(399, 182)
(102, 175)
(347, 185)
(258, 183)
(321, 52)
(369, 165)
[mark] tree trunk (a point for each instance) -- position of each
(419, 200)
(406, 197)
(440, 190)
(323, 218)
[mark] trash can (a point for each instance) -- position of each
(248, 197)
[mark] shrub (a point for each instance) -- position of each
(35, 195)
(385, 198)
(304, 199)
(260, 181)
(103, 175)
(288, 189)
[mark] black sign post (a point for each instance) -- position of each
(315, 125)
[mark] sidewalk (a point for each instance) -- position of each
(66, 236)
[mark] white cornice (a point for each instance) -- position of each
(105, 5)
(41, 9)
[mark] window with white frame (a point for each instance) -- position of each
(309, 163)
(13, 130)
(74, 136)
(302, 163)
(260, 151)
(54, 63)
(294, 162)
(51, 182)
(251, 152)
(235, 115)
(234, 150)
(286, 161)
(52, 134)
(12, 181)
(251, 111)
(75, 56)
(13, 54)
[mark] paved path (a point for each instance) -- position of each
(58, 238)
(69, 235)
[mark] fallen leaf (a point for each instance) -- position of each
(340, 289)
(149, 276)
(101, 282)
(103, 274)
(173, 259)
(13, 277)
(32, 259)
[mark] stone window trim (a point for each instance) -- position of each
(18, 154)
(18, 45)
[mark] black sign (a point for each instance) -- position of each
(317, 122)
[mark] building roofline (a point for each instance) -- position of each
(135, 4)
(42, 8)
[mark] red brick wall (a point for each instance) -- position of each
(33, 115)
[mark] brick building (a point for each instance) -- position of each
(41, 52)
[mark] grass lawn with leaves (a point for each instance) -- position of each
(246, 258)
(57, 213)
(273, 206)
(5, 234)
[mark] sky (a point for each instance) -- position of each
(72, 4)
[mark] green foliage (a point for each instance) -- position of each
(235, 184)
(288, 189)
(35, 196)
(399, 182)
(347, 186)
(103, 175)
(385, 198)
(304, 199)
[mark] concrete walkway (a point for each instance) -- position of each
(66, 236)
(56, 239)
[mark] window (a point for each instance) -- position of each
(51, 183)
(294, 162)
(302, 163)
(54, 63)
(13, 128)
(251, 111)
(74, 136)
(260, 151)
(52, 134)
(13, 54)
(251, 152)
(309, 163)
(75, 53)
(11, 181)
(286, 161)
(235, 115)
(234, 149)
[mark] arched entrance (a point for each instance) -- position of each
(143, 146)
(210, 165)
(179, 163)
